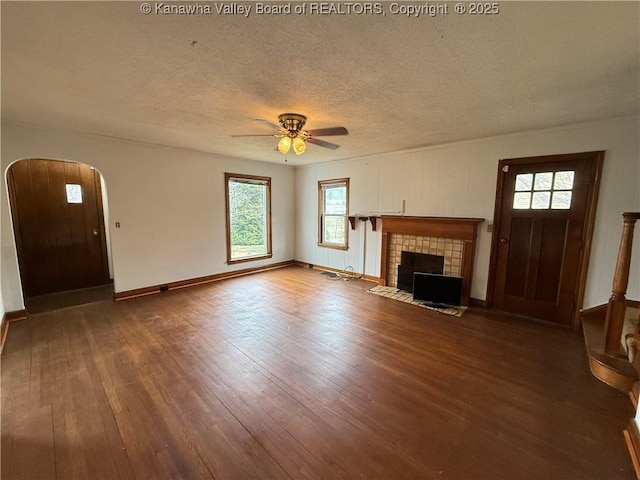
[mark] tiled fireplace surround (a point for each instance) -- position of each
(448, 248)
(453, 238)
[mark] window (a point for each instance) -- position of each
(333, 203)
(74, 193)
(248, 217)
(543, 190)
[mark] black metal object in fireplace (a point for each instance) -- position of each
(411, 262)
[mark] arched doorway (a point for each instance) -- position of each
(58, 221)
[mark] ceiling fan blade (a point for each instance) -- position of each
(259, 135)
(322, 143)
(324, 132)
(267, 123)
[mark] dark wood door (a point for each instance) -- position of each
(59, 225)
(545, 214)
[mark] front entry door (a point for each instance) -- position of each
(545, 209)
(59, 225)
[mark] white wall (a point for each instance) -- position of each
(169, 202)
(459, 180)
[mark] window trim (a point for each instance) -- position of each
(256, 178)
(335, 246)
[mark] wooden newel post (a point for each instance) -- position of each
(617, 302)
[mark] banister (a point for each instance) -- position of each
(616, 308)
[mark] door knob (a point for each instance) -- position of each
(503, 240)
(95, 232)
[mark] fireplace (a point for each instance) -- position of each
(452, 238)
(414, 262)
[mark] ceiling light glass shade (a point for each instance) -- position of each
(284, 145)
(299, 146)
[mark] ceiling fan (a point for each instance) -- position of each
(291, 133)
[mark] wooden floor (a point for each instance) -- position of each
(56, 301)
(287, 374)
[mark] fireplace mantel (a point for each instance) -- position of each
(465, 229)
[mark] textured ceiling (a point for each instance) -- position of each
(395, 82)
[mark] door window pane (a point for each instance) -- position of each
(521, 200)
(543, 181)
(561, 201)
(524, 182)
(74, 193)
(563, 181)
(541, 200)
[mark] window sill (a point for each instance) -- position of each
(334, 246)
(249, 259)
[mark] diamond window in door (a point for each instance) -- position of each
(543, 191)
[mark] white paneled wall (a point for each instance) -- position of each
(459, 180)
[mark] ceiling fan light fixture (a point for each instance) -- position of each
(284, 144)
(291, 133)
(299, 145)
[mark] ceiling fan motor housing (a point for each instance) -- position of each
(292, 122)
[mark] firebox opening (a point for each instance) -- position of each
(411, 262)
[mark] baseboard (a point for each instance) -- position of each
(634, 394)
(6, 319)
(632, 439)
(370, 278)
(598, 309)
(16, 315)
(3, 332)
(476, 302)
(141, 292)
(601, 309)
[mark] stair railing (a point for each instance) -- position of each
(617, 306)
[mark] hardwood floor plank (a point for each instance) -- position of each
(288, 375)
(32, 448)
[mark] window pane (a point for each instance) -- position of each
(521, 200)
(248, 230)
(524, 181)
(541, 200)
(561, 201)
(563, 181)
(335, 200)
(334, 229)
(74, 193)
(333, 209)
(543, 181)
